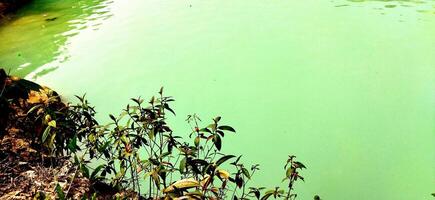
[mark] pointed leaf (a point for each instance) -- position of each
(217, 142)
(112, 117)
(227, 128)
(45, 134)
(224, 159)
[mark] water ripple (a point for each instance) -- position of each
(35, 41)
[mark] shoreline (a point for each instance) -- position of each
(27, 168)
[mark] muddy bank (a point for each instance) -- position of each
(10, 6)
(28, 169)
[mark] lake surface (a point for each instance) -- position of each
(347, 86)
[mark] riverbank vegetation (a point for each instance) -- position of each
(50, 149)
(10, 6)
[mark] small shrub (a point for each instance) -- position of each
(138, 150)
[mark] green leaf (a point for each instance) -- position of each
(104, 146)
(246, 173)
(72, 145)
(151, 134)
(197, 139)
(224, 159)
(212, 126)
(217, 142)
(227, 128)
(112, 117)
(76, 160)
(205, 130)
(166, 106)
(165, 154)
(236, 161)
(220, 132)
(138, 100)
(299, 165)
(40, 196)
(85, 171)
(94, 196)
(124, 139)
(239, 181)
(257, 194)
(182, 166)
(59, 192)
(290, 172)
(95, 172)
(45, 134)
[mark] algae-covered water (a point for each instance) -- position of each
(347, 86)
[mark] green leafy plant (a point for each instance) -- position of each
(139, 151)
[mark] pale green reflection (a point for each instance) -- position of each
(34, 42)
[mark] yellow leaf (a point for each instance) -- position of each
(185, 197)
(205, 181)
(47, 118)
(215, 189)
(15, 78)
(91, 138)
(182, 184)
(52, 123)
(223, 174)
(51, 142)
(34, 97)
(40, 96)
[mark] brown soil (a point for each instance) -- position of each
(26, 169)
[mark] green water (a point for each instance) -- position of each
(347, 86)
